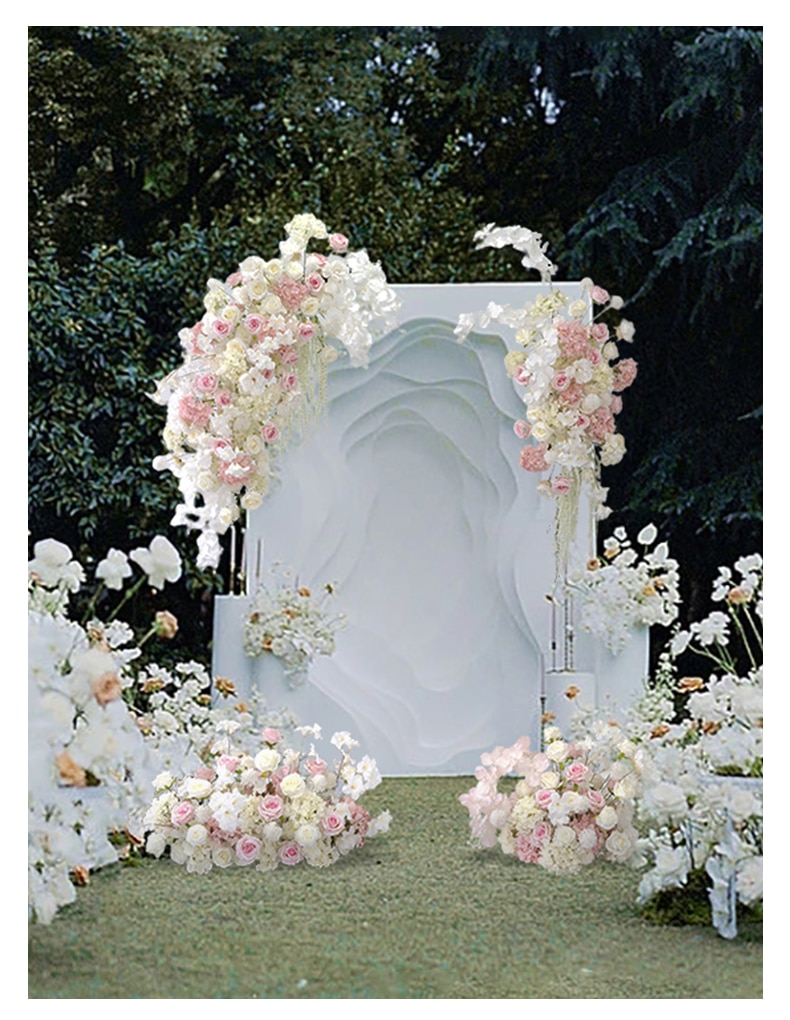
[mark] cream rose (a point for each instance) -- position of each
(292, 785)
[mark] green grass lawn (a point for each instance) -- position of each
(415, 914)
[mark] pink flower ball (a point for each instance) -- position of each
(338, 243)
(290, 853)
(532, 457)
(182, 813)
(247, 849)
(271, 807)
(625, 373)
(522, 429)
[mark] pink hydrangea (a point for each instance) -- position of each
(601, 424)
(625, 373)
(237, 471)
(193, 411)
(291, 292)
(533, 458)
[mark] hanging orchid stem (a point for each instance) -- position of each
(754, 627)
(745, 640)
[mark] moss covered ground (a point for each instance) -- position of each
(417, 914)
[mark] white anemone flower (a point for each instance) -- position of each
(160, 561)
(113, 569)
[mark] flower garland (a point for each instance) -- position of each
(572, 804)
(571, 377)
(278, 806)
(622, 590)
(289, 621)
(254, 371)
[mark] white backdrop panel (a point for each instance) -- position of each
(409, 497)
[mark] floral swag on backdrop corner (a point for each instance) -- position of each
(570, 375)
(255, 369)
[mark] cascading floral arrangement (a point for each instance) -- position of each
(570, 375)
(254, 371)
(572, 803)
(289, 621)
(626, 588)
(278, 806)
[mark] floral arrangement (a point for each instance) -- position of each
(102, 723)
(701, 810)
(624, 588)
(255, 369)
(571, 377)
(572, 804)
(289, 621)
(278, 806)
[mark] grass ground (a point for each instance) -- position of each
(415, 914)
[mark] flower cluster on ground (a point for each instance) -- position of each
(103, 718)
(701, 809)
(280, 805)
(570, 376)
(288, 620)
(572, 803)
(254, 370)
(627, 588)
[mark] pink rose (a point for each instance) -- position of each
(521, 375)
(594, 356)
(205, 773)
(205, 383)
(271, 735)
(255, 323)
(544, 798)
(182, 813)
(270, 807)
(522, 429)
(194, 412)
(338, 243)
(228, 762)
(247, 849)
(599, 295)
(315, 283)
(234, 280)
(220, 328)
(561, 485)
(316, 766)
(582, 421)
(270, 433)
(305, 330)
(223, 398)
(332, 824)
(616, 404)
(288, 355)
(288, 382)
(561, 380)
(576, 772)
(600, 331)
(596, 799)
(290, 853)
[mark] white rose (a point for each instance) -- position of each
(550, 780)
(163, 781)
(607, 819)
(196, 787)
(619, 844)
(222, 856)
(155, 844)
(307, 834)
(197, 835)
(267, 760)
(557, 750)
(250, 501)
(564, 836)
(293, 785)
(577, 309)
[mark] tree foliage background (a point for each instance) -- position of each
(161, 156)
